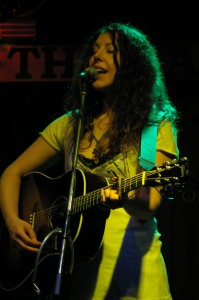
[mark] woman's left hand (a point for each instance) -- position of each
(111, 198)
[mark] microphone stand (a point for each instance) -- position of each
(66, 229)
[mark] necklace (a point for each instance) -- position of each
(97, 150)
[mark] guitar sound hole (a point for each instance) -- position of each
(53, 241)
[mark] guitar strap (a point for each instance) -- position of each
(148, 147)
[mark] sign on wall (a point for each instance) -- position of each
(20, 63)
(30, 63)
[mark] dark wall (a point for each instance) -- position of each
(26, 108)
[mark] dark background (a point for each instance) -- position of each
(173, 26)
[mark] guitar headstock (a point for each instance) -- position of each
(169, 174)
(172, 176)
(172, 173)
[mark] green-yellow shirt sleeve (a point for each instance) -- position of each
(167, 139)
(55, 132)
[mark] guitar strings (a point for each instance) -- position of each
(77, 206)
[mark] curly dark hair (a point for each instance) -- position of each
(138, 96)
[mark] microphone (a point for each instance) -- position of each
(89, 74)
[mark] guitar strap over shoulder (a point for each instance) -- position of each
(147, 155)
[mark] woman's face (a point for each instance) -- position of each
(102, 59)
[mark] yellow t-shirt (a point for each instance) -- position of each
(129, 264)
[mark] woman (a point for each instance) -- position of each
(127, 95)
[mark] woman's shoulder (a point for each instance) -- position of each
(65, 118)
(167, 138)
(166, 127)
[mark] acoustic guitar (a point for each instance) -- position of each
(43, 203)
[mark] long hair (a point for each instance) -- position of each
(138, 96)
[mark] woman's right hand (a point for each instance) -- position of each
(35, 157)
(22, 235)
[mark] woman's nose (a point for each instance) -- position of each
(97, 56)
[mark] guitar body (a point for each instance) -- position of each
(43, 203)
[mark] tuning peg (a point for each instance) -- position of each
(166, 163)
(184, 159)
(175, 161)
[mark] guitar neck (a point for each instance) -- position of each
(171, 174)
(93, 198)
(84, 202)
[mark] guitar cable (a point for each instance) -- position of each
(54, 231)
